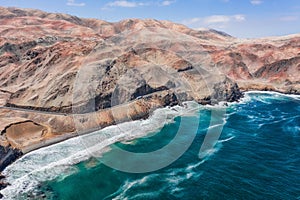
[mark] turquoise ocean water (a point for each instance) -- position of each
(256, 157)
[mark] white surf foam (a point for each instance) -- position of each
(275, 94)
(130, 184)
(210, 152)
(50, 162)
(190, 167)
(168, 181)
(226, 140)
(248, 96)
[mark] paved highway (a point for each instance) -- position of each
(66, 114)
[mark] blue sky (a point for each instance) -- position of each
(240, 18)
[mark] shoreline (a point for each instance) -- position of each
(272, 92)
(58, 148)
(70, 135)
(67, 136)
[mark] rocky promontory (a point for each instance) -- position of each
(61, 76)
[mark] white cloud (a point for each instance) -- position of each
(289, 18)
(215, 21)
(126, 4)
(73, 3)
(221, 19)
(256, 2)
(167, 3)
(239, 18)
(133, 4)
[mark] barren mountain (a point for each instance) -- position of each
(55, 65)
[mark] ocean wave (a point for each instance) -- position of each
(130, 184)
(50, 162)
(166, 181)
(276, 94)
(290, 129)
(206, 154)
(250, 96)
(226, 140)
(281, 119)
(193, 166)
(292, 126)
(144, 195)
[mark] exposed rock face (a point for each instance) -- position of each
(107, 73)
(7, 156)
(226, 91)
(280, 71)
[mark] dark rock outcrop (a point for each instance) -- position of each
(225, 91)
(8, 155)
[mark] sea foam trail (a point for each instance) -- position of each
(249, 96)
(169, 180)
(273, 95)
(51, 162)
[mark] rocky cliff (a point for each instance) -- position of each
(61, 75)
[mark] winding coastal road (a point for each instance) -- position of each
(69, 114)
(33, 111)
